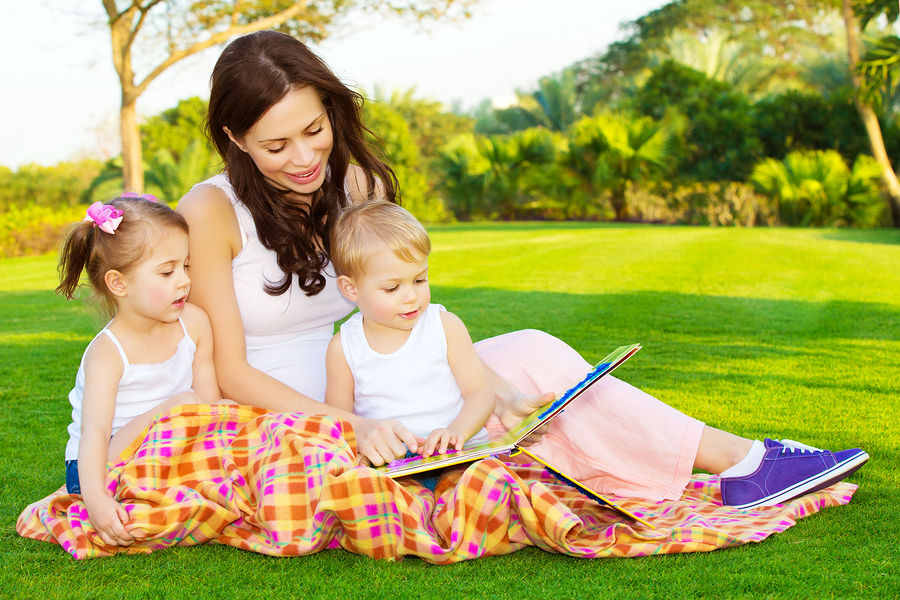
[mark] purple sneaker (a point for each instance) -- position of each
(788, 471)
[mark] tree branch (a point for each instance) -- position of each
(218, 38)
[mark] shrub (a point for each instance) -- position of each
(703, 203)
(34, 229)
(817, 188)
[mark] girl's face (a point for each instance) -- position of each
(158, 287)
(291, 142)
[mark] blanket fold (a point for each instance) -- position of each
(286, 484)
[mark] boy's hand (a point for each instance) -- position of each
(441, 440)
(109, 519)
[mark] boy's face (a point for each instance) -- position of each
(393, 293)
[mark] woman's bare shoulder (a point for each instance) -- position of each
(205, 199)
(209, 212)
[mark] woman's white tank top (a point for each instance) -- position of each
(142, 387)
(287, 335)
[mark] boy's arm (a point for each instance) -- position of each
(103, 369)
(339, 389)
(471, 377)
(204, 382)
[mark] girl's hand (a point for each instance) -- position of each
(109, 519)
(382, 440)
(441, 439)
(515, 406)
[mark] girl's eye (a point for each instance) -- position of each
(422, 280)
(391, 289)
(317, 131)
(168, 273)
(276, 150)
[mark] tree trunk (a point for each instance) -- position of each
(132, 159)
(870, 120)
(620, 205)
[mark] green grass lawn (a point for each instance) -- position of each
(763, 332)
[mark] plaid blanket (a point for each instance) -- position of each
(287, 485)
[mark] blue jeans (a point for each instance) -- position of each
(73, 485)
(429, 479)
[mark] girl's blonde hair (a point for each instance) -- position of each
(86, 248)
(367, 227)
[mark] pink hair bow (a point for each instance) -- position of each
(147, 197)
(104, 216)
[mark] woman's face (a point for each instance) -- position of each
(292, 141)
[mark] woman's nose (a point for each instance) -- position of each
(303, 155)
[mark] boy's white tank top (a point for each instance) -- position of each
(414, 384)
(287, 335)
(141, 388)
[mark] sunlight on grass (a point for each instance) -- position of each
(764, 332)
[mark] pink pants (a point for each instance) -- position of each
(615, 438)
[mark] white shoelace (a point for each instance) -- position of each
(793, 446)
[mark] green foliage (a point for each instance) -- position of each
(703, 203)
(34, 229)
(803, 120)
(402, 154)
(170, 179)
(502, 121)
(722, 135)
(499, 175)
(555, 105)
(818, 188)
(614, 151)
(60, 185)
(175, 129)
(430, 125)
(464, 169)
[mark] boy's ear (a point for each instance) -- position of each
(348, 288)
(116, 284)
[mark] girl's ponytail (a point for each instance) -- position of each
(113, 237)
(74, 256)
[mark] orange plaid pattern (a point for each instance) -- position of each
(286, 484)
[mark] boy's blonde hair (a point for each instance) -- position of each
(369, 226)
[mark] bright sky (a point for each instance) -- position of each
(59, 93)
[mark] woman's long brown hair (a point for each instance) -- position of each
(253, 73)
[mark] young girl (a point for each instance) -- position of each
(155, 353)
(401, 357)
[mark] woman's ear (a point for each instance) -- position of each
(233, 139)
(348, 288)
(116, 284)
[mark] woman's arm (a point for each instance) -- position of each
(215, 239)
(103, 369)
(339, 390)
(204, 382)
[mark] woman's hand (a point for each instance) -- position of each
(513, 406)
(382, 440)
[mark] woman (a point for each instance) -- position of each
(287, 130)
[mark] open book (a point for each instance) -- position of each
(509, 443)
